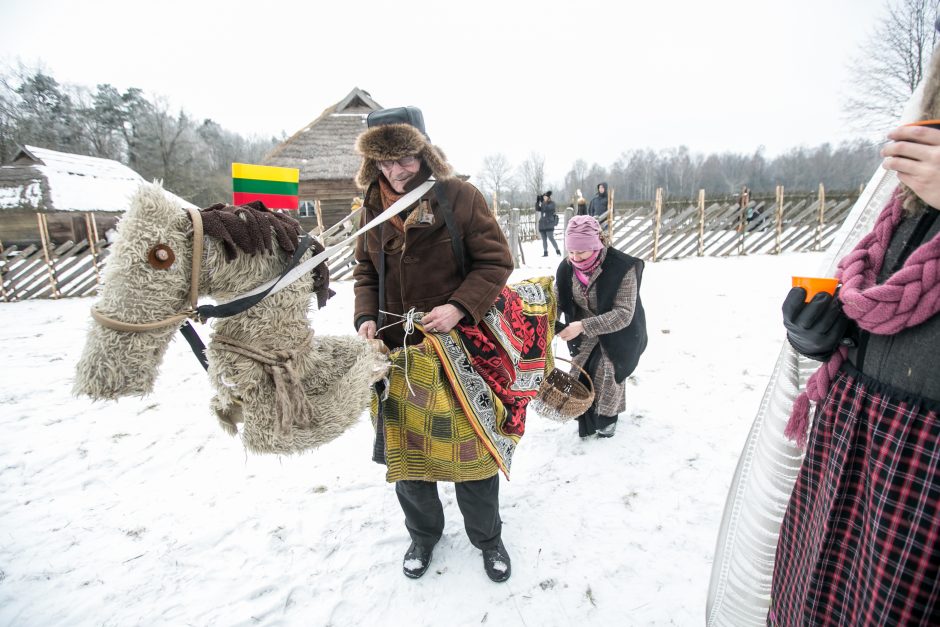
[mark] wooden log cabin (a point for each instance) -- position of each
(68, 191)
(324, 152)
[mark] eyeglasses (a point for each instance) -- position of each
(403, 162)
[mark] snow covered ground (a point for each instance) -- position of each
(142, 512)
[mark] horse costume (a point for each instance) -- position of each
(290, 389)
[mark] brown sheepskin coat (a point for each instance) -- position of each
(421, 269)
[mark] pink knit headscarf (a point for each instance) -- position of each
(583, 233)
(909, 296)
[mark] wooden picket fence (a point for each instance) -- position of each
(722, 229)
(653, 232)
(673, 230)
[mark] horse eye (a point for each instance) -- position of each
(161, 257)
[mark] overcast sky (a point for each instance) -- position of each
(579, 79)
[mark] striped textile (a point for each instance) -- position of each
(460, 412)
(860, 539)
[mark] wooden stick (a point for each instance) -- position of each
(657, 221)
(822, 216)
(44, 237)
(319, 211)
(610, 213)
(701, 222)
(779, 212)
(3, 268)
(92, 233)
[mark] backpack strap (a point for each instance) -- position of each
(456, 239)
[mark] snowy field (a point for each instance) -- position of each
(143, 512)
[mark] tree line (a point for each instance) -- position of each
(192, 157)
(636, 174)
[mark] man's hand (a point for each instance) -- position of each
(571, 331)
(815, 329)
(367, 330)
(441, 319)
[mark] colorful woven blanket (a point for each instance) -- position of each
(456, 405)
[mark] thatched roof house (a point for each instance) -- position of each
(64, 187)
(323, 152)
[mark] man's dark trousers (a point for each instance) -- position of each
(478, 502)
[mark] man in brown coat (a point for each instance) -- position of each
(444, 256)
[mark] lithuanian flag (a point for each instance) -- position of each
(277, 188)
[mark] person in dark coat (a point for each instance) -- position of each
(859, 541)
(605, 324)
(422, 273)
(548, 220)
(598, 205)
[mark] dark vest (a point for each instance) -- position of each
(622, 347)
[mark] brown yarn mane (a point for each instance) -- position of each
(248, 228)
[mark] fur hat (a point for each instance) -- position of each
(394, 141)
(548, 193)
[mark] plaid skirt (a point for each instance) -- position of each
(860, 539)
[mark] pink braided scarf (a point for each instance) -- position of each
(909, 296)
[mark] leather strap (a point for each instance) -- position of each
(456, 238)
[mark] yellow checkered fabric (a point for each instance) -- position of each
(428, 436)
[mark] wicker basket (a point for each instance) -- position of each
(562, 396)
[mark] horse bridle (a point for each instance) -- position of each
(175, 319)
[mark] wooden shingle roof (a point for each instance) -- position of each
(323, 150)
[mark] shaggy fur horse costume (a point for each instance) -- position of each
(291, 390)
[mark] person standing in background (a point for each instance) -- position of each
(548, 220)
(598, 206)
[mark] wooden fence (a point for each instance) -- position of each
(661, 230)
(652, 231)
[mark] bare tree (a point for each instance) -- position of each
(575, 177)
(892, 63)
(532, 173)
(496, 175)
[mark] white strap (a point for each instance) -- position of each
(399, 205)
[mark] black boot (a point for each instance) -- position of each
(496, 563)
(417, 559)
(545, 254)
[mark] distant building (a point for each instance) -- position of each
(324, 153)
(64, 187)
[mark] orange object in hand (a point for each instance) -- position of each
(930, 123)
(815, 285)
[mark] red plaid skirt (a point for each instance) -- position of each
(860, 540)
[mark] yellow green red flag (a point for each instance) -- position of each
(277, 188)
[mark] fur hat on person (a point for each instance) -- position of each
(583, 233)
(389, 138)
(548, 193)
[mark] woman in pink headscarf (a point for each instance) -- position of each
(604, 322)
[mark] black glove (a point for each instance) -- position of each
(817, 328)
